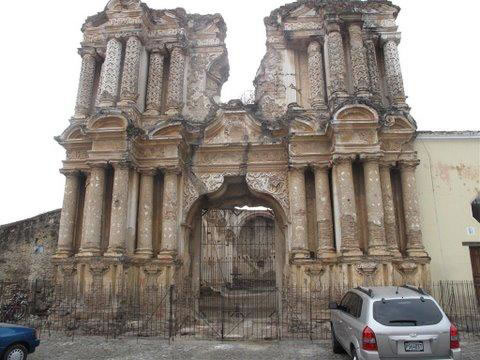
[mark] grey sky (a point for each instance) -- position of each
(39, 70)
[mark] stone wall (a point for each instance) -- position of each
(26, 247)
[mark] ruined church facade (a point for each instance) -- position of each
(326, 148)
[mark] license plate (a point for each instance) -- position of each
(414, 346)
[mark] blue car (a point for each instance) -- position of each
(16, 342)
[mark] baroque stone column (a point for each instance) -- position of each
(347, 205)
(326, 246)
(69, 212)
(393, 70)
(415, 246)
(176, 81)
(377, 245)
(155, 83)
(359, 60)
(131, 70)
(373, 69)
(168, 250)
(93, 211)
(336, 70)
(298, 208)
(145, 215)
(85, 85)
(315, 75)
(389, 210)
(109, 78)
(118, 219)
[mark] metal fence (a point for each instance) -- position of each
(177, 312)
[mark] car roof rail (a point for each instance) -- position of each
(414, 288)
(365, 290)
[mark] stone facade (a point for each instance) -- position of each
(327, 146)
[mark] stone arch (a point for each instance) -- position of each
(356, 112)
(230, 192)
(108, 122)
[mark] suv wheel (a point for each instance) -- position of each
(15, 352)
(337, 348)
(354, 354)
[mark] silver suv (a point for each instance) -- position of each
(392, 323)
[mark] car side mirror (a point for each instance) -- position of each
(333, 305)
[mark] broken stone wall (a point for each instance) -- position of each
(26, 248)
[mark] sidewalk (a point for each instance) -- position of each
(98, 348)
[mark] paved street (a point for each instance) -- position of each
(98, 348)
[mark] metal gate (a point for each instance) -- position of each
(238, 298)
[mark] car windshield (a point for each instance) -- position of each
(407, 312)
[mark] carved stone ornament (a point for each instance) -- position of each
(367, 269)
(272, 183)
(152, 269)
(315, 272)
(212, 182)
(98, 269)
(407, 268)
(69, 270)
(123, 4)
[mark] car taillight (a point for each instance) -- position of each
(369, 340)
(454, 338)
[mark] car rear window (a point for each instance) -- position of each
(406, 312)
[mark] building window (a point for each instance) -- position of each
(476, 208)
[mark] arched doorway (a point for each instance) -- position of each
(235, 257)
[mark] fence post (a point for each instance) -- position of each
(222, 314)
(170, 317)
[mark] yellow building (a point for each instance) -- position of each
(448, 183)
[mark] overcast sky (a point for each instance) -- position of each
(39, 70)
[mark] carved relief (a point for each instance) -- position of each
(359, 59)
(155, 82)
(274, 184)
(110, 72)
(336, 63)
(373, 71)
(176, 79)
(131, 69)
(85, 86)
(393, 72)
(315, 74)
(212, 182)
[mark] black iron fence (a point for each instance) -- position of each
(178, 312)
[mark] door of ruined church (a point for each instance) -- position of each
(475, 257)
(238, 294)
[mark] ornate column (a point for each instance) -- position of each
(393, 70)
(389, 210)
(109, 78)
(347, 205)
(315, 75)
(155, 82)
(373, 70)
(93, 211)
(298, 208)
(69, 212)
(175, 81)
(336, 70)
(118, 218)
(145, 215)
(85, 85)
(359, 60)
(131, 70)
(377, 245)
(415, 246)
(326, 246)
(169, 216)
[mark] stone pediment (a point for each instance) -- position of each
(123, 4)
(303, 11)
(233, 126)
(398, 123)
